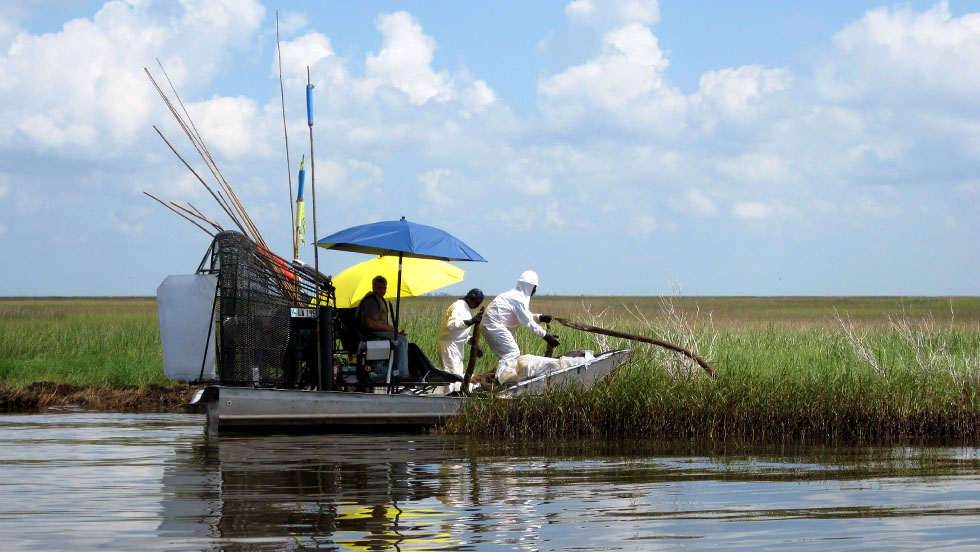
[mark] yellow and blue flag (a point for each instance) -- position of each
(300, 205)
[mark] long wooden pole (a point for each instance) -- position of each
(550, 350)
(179, 213)
(471, 364)
(643, 339)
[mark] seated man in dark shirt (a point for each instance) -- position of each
(373, 317)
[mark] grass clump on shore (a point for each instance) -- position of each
(894, 376)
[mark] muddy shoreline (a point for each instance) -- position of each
(46, 396)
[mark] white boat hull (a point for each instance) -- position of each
(583, 375)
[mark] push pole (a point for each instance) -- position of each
(316, 256)
(471, 364)
(550, 350)
(623, 335)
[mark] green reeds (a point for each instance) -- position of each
(789, 368)
(892, 376)
(92, 342)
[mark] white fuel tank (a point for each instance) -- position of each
(186, 305)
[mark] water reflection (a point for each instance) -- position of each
(297, 492)
(127, 482)
(384, 492)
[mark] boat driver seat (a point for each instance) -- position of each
(368, 353)
(423, 377)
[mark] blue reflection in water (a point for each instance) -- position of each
(153, 481)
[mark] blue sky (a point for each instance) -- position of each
(629, 147)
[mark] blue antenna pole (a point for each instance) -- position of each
(316, 253)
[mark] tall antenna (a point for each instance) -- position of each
(289, 171)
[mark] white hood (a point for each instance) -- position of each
(511, 309)
(527, 282)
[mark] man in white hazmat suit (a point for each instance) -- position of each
(456, 330)
(505, 313)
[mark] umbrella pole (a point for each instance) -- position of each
(398, 294)
(398, 306)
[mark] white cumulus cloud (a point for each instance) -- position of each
(310, 49)
(405, 60)
(736, 93)
(629, 68)
(83, 86)
(898, 54)
(230, 125)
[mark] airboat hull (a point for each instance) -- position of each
(246, 407)
(230, 407)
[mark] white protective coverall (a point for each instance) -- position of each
(502, 317)
(452, 338)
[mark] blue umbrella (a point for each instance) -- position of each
(402, 238)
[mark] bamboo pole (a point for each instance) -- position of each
(179, 213)
(643, 339)
(201, 180)
(197, 215)
(190, 129)
(228, 200)
(549, 350)
(203, 217)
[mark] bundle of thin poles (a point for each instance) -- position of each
(223, 193)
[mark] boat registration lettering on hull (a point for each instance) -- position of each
(295, 312)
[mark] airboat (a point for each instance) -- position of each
(269, 348)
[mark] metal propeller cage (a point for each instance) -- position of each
(265, 314)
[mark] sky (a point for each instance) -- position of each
(627, 147)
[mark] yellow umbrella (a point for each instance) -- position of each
(418, 276)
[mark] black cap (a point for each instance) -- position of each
(475, 294)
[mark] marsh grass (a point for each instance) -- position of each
(789, 368)
(807, 374)
(95, 342)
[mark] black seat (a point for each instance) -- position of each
(421, 369)
(347, 331)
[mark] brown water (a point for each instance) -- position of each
(80, 481)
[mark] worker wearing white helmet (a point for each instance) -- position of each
(505, 313)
